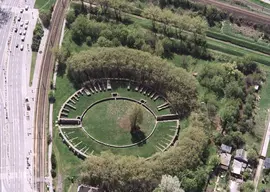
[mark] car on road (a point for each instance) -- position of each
(16, 29)
(17, 45)
(21, 48)
(23, 38)
(19, 19)
(28, 107)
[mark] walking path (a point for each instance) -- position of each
(263, 154)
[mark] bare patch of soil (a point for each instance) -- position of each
(124, 122)
(247, 31)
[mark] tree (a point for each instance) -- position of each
(103, 42)
(153, 13)
(45, 17)
(70, 17)
(118, 6)
(159, 50)
(170, 184)
(135, 117)
(252, 157)
(247, 187)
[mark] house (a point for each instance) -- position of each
(266, 163)
(241, 155)
(85, 188)
(225, 160)
(237, 167)
(225, 148)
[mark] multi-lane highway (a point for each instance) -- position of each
(16, 122)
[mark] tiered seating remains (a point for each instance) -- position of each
(71, 106)
(72, 101)
(65, 110)
(153, 94)
(163, 106)
(137, 88)
(77, 144)
(141, 88)
(109, 87)
(88, 93)
(156, 97)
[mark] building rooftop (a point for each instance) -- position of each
(225, 159)
(267, 163)
(241, 155)
(226, 148)
(237, 167)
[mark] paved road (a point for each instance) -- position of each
(16, 141)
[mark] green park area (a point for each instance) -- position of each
(214, 75)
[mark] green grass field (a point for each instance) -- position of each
(161, 137)
(85, 101)
(33, 64)
(109, 122)
(44, 4)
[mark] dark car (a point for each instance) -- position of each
(17, 45)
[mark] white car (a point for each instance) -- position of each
(23, 38)
(26, 8)
(21, 11)
(19, 19)
(26, 22)
(20, 32)
(21, 24)
(21, 48)
(25, 27)
(24, 32)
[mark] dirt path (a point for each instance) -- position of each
(59, 183)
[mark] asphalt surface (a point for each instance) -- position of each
(16, 139)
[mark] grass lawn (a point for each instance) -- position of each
(160, 137)
(112, 118)
(264, 105)
(65, 161)
(85, 100)
(33, 64)
(44, 4)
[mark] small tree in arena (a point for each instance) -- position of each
(135, 117)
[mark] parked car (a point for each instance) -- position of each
(21, 48)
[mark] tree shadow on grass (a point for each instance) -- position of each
(137, 136)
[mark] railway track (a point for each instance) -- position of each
(41, 110)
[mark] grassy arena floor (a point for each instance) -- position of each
(85, 101)
(111, 118)
(162, 135)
